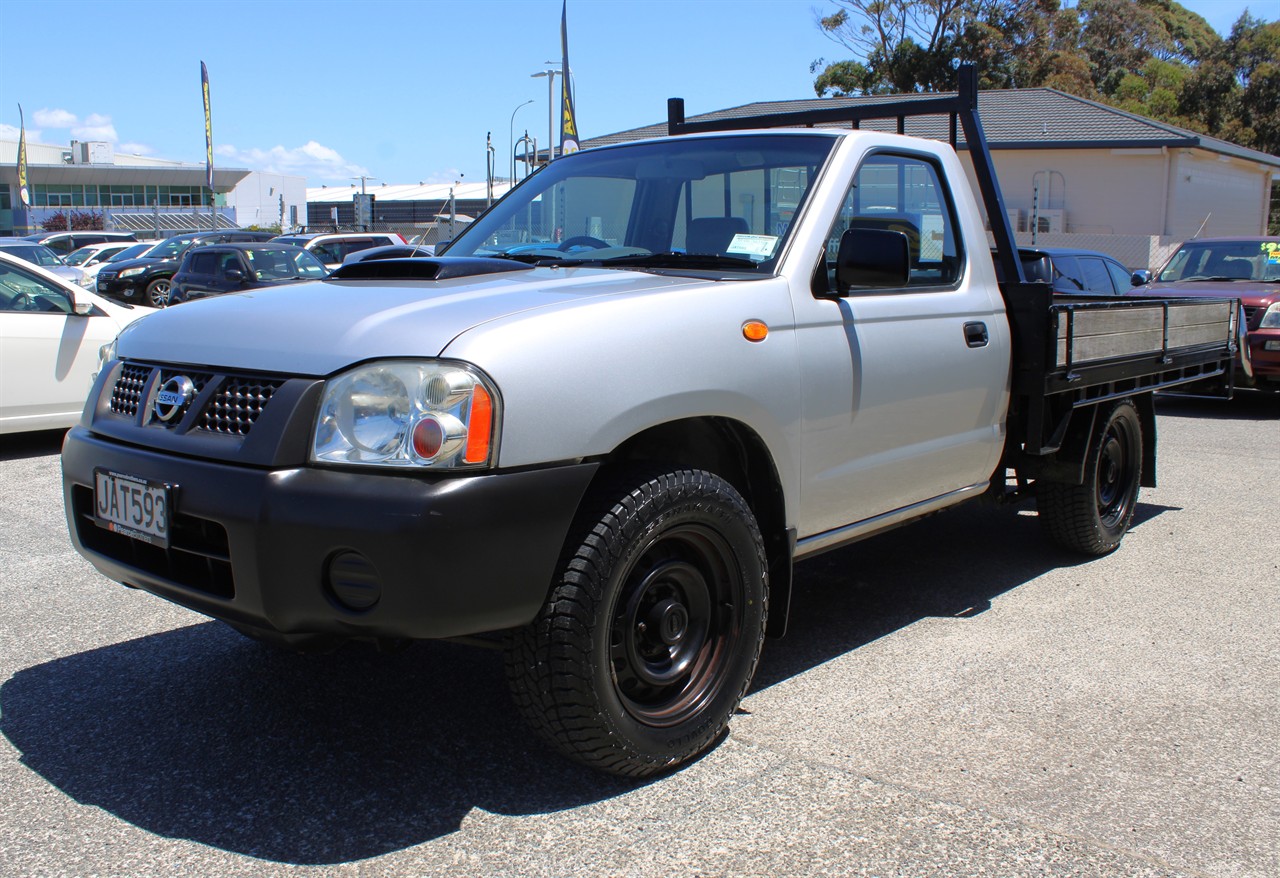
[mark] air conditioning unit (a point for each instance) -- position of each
(1051, 221)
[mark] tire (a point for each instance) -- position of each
(1094, 517)
(158, 292)
(653, 627)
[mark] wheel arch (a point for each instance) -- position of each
(736, 453)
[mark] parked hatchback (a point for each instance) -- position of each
(231, 268)
(39, 254)
(1074, 272)
(63, 243)
(147, 279)
(332, 248)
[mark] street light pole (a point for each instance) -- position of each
(511, 141)
(550, 73)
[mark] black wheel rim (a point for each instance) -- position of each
(675, 625)
(1117, 463)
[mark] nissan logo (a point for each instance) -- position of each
(173, 397)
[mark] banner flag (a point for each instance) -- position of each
(568, 120)
(208, 128)
(24, 194)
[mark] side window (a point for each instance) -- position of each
(20, 291)
(326, 253)
(1067, 277)
(1096, 279)
(903, 194)
(1121, 278)
(204, 263)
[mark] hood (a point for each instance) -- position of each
(320, 327)
(133, 263)
(1251, 293)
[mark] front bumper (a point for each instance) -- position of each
(129, 289)
(1264, 352)
(270, 547)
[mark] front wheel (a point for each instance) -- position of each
(1094, 517)
(653, 627)
(158, 292)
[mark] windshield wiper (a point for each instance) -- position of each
(677, 260)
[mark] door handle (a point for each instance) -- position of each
(975, 334)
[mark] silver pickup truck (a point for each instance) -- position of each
(603, 426)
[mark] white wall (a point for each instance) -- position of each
(256, 199)
(1215, 195)
(1137, 191)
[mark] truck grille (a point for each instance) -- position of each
(127, 392)
(235, 405)
(198, 556)
(1252, 316)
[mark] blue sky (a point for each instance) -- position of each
(399, 90)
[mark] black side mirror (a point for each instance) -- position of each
(234, 274)
(872, 258)
(1140, 278)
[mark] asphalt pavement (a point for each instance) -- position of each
(954, 698)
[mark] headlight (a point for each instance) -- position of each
(1271, 319)
(106, 353)
(408, 413)
(130, 272)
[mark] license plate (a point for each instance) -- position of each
(132, 506)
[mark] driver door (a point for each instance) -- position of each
(48, 354)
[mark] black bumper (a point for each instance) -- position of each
(441, 557)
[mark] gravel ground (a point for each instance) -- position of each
(954, 698)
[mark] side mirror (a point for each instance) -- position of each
(874, 258)
(234, 274)
(1140, 278)
(81, 303)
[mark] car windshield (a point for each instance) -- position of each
(171, 248)
(37, 254)
(1224, 261)
(686, 204)
(83, 255)
(277, 264)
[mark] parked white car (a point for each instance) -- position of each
(332, 248)
(90, 256)
(133, 251)
(51, 335)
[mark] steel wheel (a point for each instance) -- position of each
(652, 631)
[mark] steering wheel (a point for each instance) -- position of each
(583, 241)
(23, 302)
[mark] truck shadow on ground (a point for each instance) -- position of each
(199, 734)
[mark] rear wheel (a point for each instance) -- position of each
(653, 628)
(1094, 517)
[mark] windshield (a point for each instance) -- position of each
(170, 249)
(81, 256)
(1224, 261)
(37, 254)
(131, 252)
(280, 264)
(695, 203)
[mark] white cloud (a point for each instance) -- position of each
(55, 118)
(134, 149)
(315, 161)
(95, 127)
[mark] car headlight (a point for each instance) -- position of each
(1271, 320)
(106, 353)
(409, 413)
(130, 272)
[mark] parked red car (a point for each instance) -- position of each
(1247, 269)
